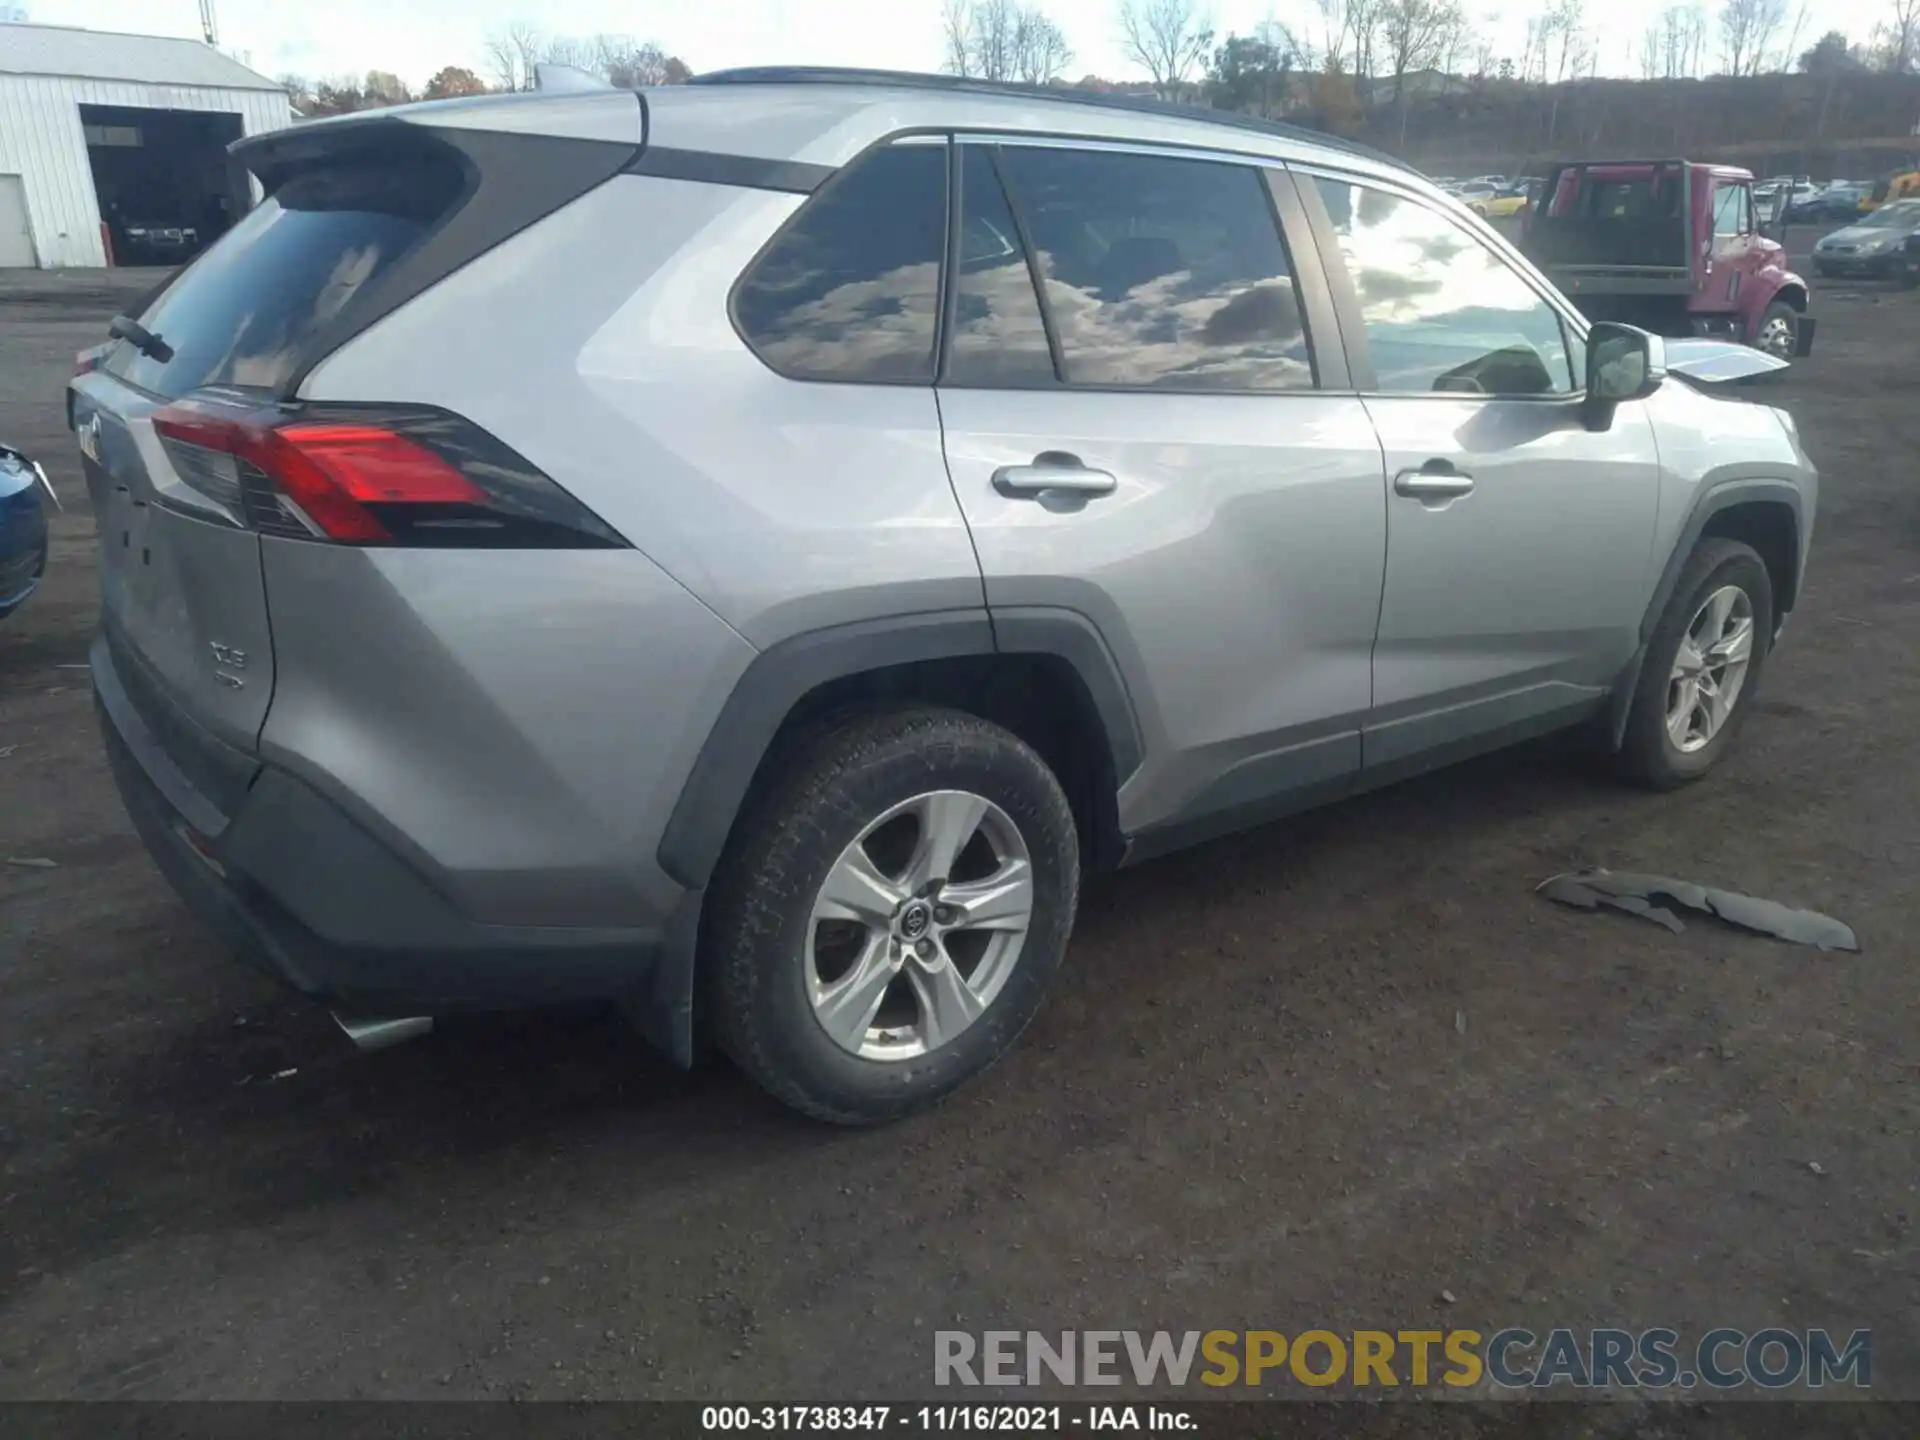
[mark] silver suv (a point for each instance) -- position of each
(745, 550)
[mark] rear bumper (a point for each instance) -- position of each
(301, 891)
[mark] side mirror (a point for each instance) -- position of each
(1623, 363)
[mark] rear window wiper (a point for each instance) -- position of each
(125, 327)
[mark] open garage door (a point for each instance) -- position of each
(167, 187)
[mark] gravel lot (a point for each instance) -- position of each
(1314, 1076)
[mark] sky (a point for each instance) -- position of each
(414, 38)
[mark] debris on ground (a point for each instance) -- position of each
(6, 750)
(1459, 1022)
(1816, 1167)
(1656, 898)
(33, 862)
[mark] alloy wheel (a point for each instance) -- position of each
(1710, 669)
(919, 925)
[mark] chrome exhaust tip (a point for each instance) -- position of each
(380, 1034)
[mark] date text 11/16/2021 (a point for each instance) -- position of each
(1036, 1419)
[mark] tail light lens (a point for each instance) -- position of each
(372, 475)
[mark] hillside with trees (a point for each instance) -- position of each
(1419, 78)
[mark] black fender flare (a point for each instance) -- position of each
(782, 675)
(1713, 498)
(775, 681)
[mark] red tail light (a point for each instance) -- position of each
(366, 475)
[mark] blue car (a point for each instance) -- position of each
(24, 496)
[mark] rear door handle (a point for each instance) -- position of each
(1435, 480)
(1053, 472)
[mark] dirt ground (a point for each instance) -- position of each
(1312, 1076)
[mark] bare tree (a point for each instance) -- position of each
(1684, 32)
(628, 63)
(1040, 49)
(1166, 38)
(575, 51)
(1418, 35)
(956, 22)
(1569, 47)
(1747, 28)
(512, 54)
(1897, 40)
(1783, 58)
(1486, 55)
(1365, 20)
(1533, 59)
(1003, 40)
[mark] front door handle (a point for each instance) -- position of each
(1052, 472)
(1435, 480)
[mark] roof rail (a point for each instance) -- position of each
(1060, 94)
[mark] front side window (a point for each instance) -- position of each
(1443, 311)
(1160, 273)
(850, 289)
(1732, 210)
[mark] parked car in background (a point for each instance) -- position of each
(152, 242)
(1494, 202)
(1873, 246)
(25, 498)
(1838, 201)
(1673, 246)
(876, 605)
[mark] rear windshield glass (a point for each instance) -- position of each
(1637, 199)
(241, 313)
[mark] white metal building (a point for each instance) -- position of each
(103, 136)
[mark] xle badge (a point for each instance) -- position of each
(228, 659)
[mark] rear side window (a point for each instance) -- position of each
(1161, 273)
(241, 314)
(850, 289)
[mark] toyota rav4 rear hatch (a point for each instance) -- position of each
(184, 468)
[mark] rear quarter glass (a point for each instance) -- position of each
(241, 314)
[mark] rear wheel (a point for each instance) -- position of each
(1702, 666)
(892, 913)
(1778, 333)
